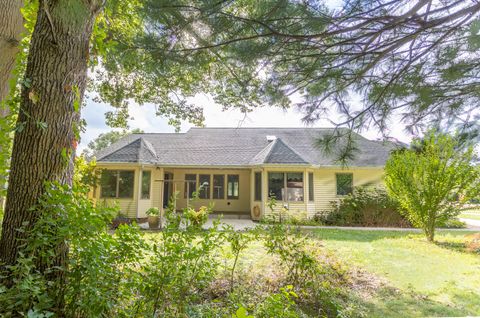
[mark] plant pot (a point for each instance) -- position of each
(153, 222)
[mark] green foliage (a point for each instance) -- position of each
(247, 55)
(241, 313)
(432, 180)
(291, 249)
(182, 263)
(96, 260)
(316, 283)
(198, 217)
(366, 206)
(85, 172)
(154, 211)
(122, 274)
(238, 243)
(281, 305)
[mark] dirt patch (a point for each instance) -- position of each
(472, 243)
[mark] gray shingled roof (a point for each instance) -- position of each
(281, 153)
(238, 147)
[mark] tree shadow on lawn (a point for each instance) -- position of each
(393, 303)
(470, 243)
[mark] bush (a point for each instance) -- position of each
(197, 218)
(366, 206)
(452, 224)
(154, 211)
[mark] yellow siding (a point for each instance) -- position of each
(326, 188)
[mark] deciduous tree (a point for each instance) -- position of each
(48, 120)
(433, 179)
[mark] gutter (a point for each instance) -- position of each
(153, 165)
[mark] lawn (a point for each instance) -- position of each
(472, 214)
(469, 216)
(431, 279)
(395, 273)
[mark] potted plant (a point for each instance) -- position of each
(153, 217)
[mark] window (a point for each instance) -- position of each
(125, 184)
(344, 183)
(292, 182)
(190, 185)
(146, 178)
(108, 183)
(204, 191)
(276, 184)
(218, 186)
(310, 187)
(295, 186)
(232, 186)
(117, 184)
(258, 186)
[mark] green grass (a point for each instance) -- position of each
(472, 214)
(469, 216)
(421, 279)
(433, 279)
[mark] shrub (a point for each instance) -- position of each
(452, 224)
(97, 260)
(318, 284)
(197, 217)
(366, 206)
(182, 263)
(281, 305)
(154, 211)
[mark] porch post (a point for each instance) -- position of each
(139, 191)
(252, 191)
(264, 192)
(161, 187)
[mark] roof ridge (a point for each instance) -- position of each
(146, 144)
(269, 154)
(291, 149)
(114, 147)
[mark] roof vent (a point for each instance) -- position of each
(271, 138)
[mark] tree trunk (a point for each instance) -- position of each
(43, 146)
(430, 232)
(11, 28)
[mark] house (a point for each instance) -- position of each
(238, 168)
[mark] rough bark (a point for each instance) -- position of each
(11, 29)
(57, 69)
